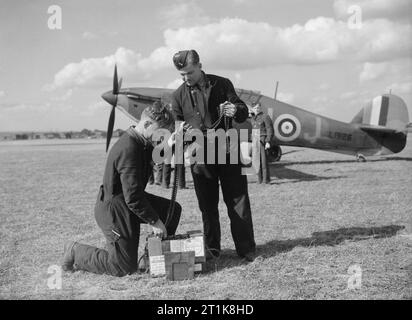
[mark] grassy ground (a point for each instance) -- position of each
(322, 215)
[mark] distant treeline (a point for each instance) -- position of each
(84, 134)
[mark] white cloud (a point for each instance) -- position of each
(390, 9)
(2, 93)
(182, 14)
(372, 71)
(65, 96)
(26, 107)
(403, 88)
(92, 108)
(398, 69)
(237, 44)
(87, 35)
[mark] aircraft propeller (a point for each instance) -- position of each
(111, 98)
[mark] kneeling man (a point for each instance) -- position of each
(122, 204)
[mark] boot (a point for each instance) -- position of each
(68, 256)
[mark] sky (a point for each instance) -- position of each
(329, 56)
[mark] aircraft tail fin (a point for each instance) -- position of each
(385, 118)
(386, 111)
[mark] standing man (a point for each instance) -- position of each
(197, 102)
(122, 204)
(263, 122)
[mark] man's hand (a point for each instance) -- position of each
(267, 146)
(159, 229)
(228, 109)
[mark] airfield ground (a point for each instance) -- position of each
(323, 217)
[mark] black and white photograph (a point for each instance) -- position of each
(206, 155)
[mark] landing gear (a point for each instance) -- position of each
(275, 153)
(360, 157)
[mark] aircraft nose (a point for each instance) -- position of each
(110, 97)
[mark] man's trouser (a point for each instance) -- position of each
(121, 229)
(167, 172)
(235, 194)
(264, 170)
(158, 176)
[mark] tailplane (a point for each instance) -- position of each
(385, 118)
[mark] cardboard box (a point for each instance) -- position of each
(177, 257)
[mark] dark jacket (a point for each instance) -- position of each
(128, 167)
(221, 90)
(263, 122)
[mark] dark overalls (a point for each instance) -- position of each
(121, 206)
(200, 108)
(263, 122)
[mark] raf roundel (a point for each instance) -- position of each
(287, 127)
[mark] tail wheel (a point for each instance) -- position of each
(360, 157)
(275, 153)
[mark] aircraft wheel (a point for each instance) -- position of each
(275, 153)
(360, 158)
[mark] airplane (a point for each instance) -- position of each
(380, 127)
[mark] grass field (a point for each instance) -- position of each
(323, 215)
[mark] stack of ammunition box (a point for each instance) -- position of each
(177, 257)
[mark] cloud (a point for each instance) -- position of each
(400, 88)
(87, 35)
(2, 93)
(389, 9)
(372, 71)
(92, 108)
(182, 14)
(237, 44)
(64, 97)
(25, 107)
(384, 70)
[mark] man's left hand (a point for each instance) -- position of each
(267, 146)
(229, 109)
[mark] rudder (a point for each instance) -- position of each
(387, 110)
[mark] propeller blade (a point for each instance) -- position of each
(115, 81)
(110, 128)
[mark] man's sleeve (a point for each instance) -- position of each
(131, 177)
(269, 128)
(241, 108)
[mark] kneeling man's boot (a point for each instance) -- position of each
(68, 256)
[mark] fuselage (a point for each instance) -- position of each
(293, 126)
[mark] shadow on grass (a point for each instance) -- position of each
(276, 164)
(229, 258)
(280, 172)
(328, 238)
